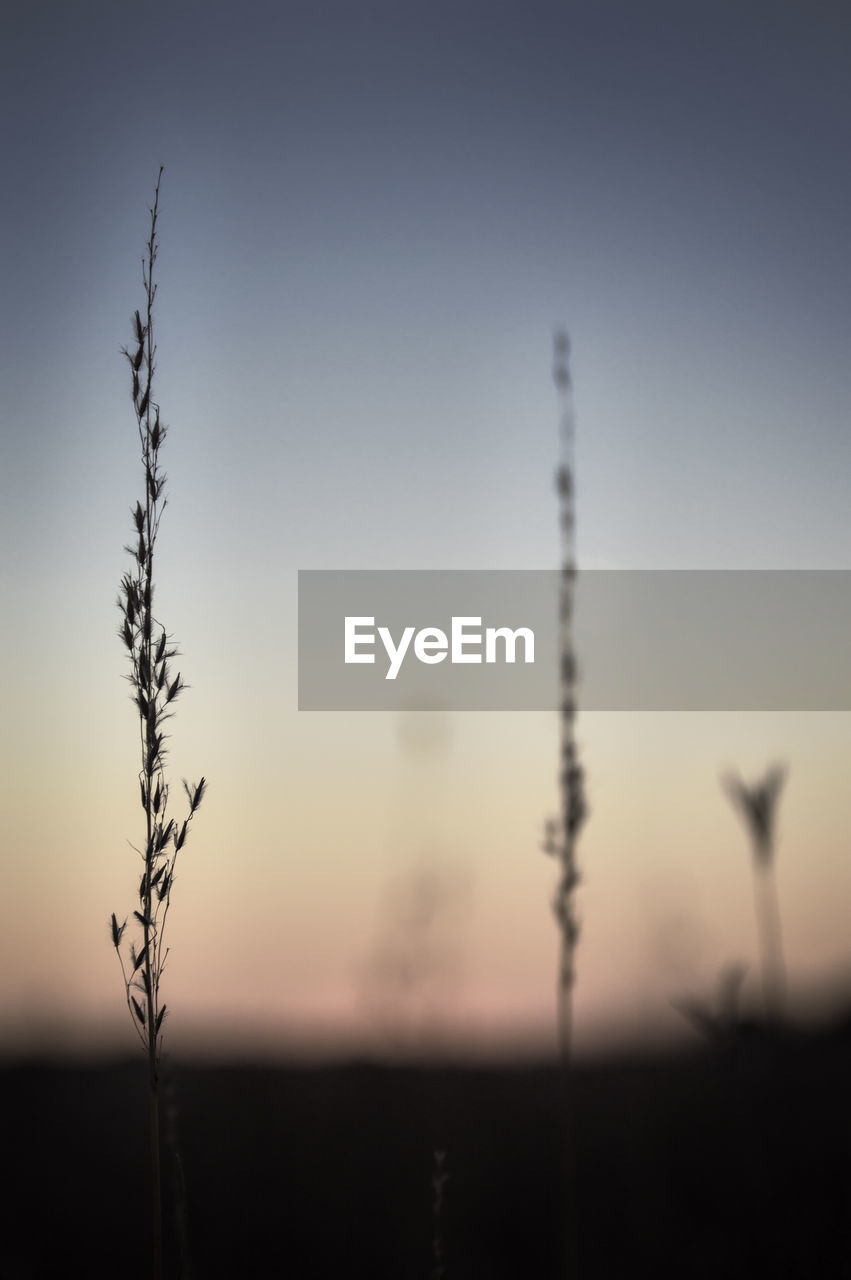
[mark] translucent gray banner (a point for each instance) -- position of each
(645, 640)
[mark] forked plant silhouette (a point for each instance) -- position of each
(757, 805)
(155, 689)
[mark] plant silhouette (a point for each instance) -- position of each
(562, 833)
(155, 689)
(757, 805)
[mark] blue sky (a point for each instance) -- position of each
(372, 219)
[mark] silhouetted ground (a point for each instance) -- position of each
(730, 1162)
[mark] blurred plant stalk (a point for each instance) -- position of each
(561, 834)
(757, 805)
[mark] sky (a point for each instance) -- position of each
(372, 220)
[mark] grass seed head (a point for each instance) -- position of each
(757, 803)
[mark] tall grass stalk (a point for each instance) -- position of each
(561, 834)
(155, 690)
(757, 805)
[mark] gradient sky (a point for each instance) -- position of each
(372, 218)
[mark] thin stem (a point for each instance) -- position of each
(156, 1179)
(149, 760)
(571, 778)
(564, 1001)
(562, 834)
(155, 688)
(770, 940)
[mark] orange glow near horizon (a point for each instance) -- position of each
(407, 903)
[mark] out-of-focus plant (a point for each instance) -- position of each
(561, 833)
(718, 1019)
(757, 805)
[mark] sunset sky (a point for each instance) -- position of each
(373, 217)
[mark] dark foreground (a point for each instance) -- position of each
(731, 1162)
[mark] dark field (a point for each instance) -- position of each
(733, 1162)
